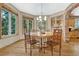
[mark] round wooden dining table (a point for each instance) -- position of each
(41, 36)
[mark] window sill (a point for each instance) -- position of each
(8, 36)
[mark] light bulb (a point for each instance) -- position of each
(45, 18)
(40, 17)
(37, 18)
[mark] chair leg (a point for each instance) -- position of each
(60, 50)
(30, 50)
(52, 50)
(39, 51)
(44, 48)
(25, 47)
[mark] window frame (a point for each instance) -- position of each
(27, 20)
(2, 19)
(9, 33)
(41, 24)
(0, 24)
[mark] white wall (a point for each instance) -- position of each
(20, 26)
(63, 28)
(48, 27)
(7, 41)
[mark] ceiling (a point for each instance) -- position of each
(38, 8)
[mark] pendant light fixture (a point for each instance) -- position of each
(41, 16)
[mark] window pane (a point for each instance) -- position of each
(24, 24)
(44, 24)
(27, 20)
(41, 25)
(27, 24)
(13, 23)
(76, 23)
(30, 25)
(5, 22)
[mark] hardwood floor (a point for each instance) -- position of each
(17, 49)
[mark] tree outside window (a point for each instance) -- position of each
(13, 22)
(5, 22)
(27, 24)
(8, 22)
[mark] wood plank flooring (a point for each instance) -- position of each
(18, 49)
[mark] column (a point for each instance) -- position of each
(0, 23)
(64, 28)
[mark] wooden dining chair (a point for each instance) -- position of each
(31, 41)
(55, 40)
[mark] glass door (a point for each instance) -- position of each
(27, 24)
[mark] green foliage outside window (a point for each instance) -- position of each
(5, 22)
(27, 24)
(24, 24)
(41, 24)
(7, 26)
(13, 22)
(30, 25)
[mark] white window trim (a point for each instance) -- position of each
(9, 32)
